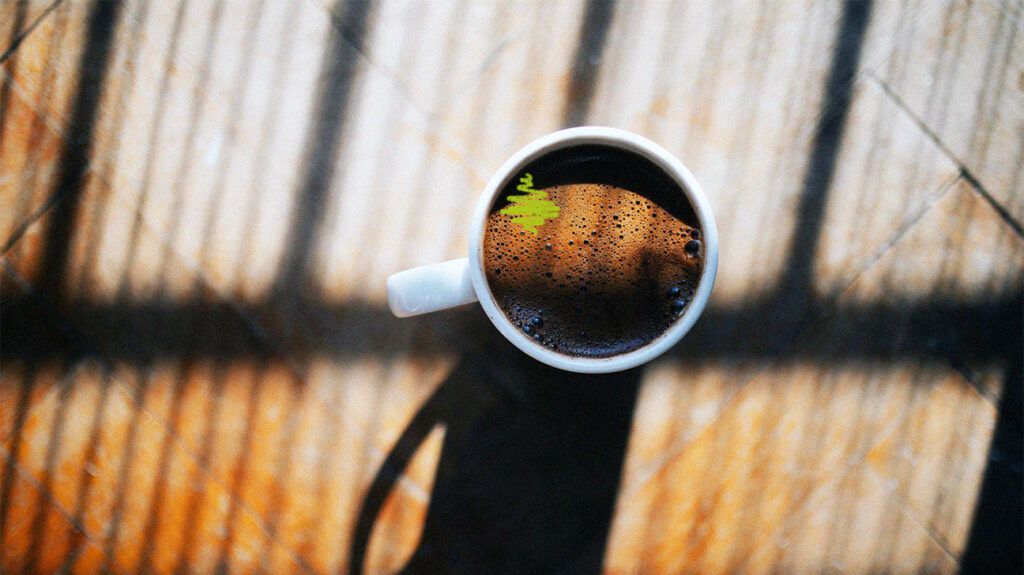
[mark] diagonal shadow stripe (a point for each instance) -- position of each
(587, 61)
(796, 282)
(936, 326)
(337, 76)
(103, 22)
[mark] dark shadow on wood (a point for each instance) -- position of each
(323, 140)
(40, 348)
(241, 87)
(102, 24)
(593, 37)
(529, 469)
(995, 542)
(796, 284)
(92, 66)
(143, 332)
(515, 430)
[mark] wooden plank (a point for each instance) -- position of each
(257, 170)
(957, 72)
(758, 466)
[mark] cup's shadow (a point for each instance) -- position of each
(529, 467)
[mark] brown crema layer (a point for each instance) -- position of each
(610, 274)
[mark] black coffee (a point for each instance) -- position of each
(593, 251)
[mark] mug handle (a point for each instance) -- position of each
(431, 288)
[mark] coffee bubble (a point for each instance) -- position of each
(603, 295)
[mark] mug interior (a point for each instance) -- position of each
(651, 152)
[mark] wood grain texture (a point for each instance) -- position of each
(202, 200)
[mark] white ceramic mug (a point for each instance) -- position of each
(462, 281)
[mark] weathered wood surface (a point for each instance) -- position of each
(202, 199)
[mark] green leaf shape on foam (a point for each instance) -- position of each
(532, 209)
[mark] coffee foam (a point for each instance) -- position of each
(607, 276)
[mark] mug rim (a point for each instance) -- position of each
(652, 152)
